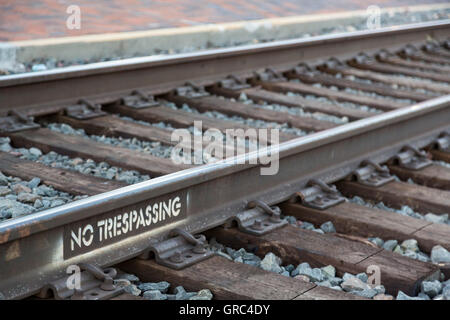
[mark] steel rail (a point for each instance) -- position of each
(33, 248)
(47, 90)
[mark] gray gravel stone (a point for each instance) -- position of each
(4, 191)
(422, 257)
(283, 127)
(431, 288)
(33, 183)
(329, 271)
(411, 245)
(291, 220)
(20, 188)
(382, 296)
(347, 276)
(440, 255)
(162, 286)
(398, 249)
(28, 197)
(354, 284)
(154, 295)
(402, 296)
(316, 275)
(297, 111)
(336, 288)
(290, 267)
(377, 241)
(150, 147)
(446, 292)
(380, 289)
(128, 276)
(423, 296)
(328, 227)
(404, 210)
(222, 254)
(122, 282)
(436, 218)
(271, 263)
(307, 226)
(132, 289)
(181, 294)
(3, 180)
(363, 277)
(35, 152)
(12, 208)
(366, 293)
(335, 281)
(301, 269)
(325, 283)
(203, 294)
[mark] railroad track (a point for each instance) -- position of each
(88, 180)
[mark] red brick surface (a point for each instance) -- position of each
(33, 19)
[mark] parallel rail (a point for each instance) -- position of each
(35, 249)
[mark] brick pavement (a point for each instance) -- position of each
(34, 19)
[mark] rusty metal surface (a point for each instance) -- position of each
(48, 90)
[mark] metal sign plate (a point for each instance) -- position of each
(111, 227)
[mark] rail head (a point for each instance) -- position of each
(328, 155)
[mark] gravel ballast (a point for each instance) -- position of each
(404, 210)
(297, 111)
(386, 19)
(156, 149)
(408, 248)
(84, 166)
(19, 198)
(283, 127)
(162, 290)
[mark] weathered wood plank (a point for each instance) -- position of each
(413, 64)
(388, 79)
(182, 119)
(390, 69)
(433, 176)
(225, 279)
(323, 293)
(65, 180)
(211, 103)
(399, 270)
(332, 94)
(77, 146)
(439, 52)
(421, 56)
(257, 94)
(350, 218)
(114, 126)
(396, 194)
(433, 234)
(296, 245)
(440, 155)
(346, 83)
